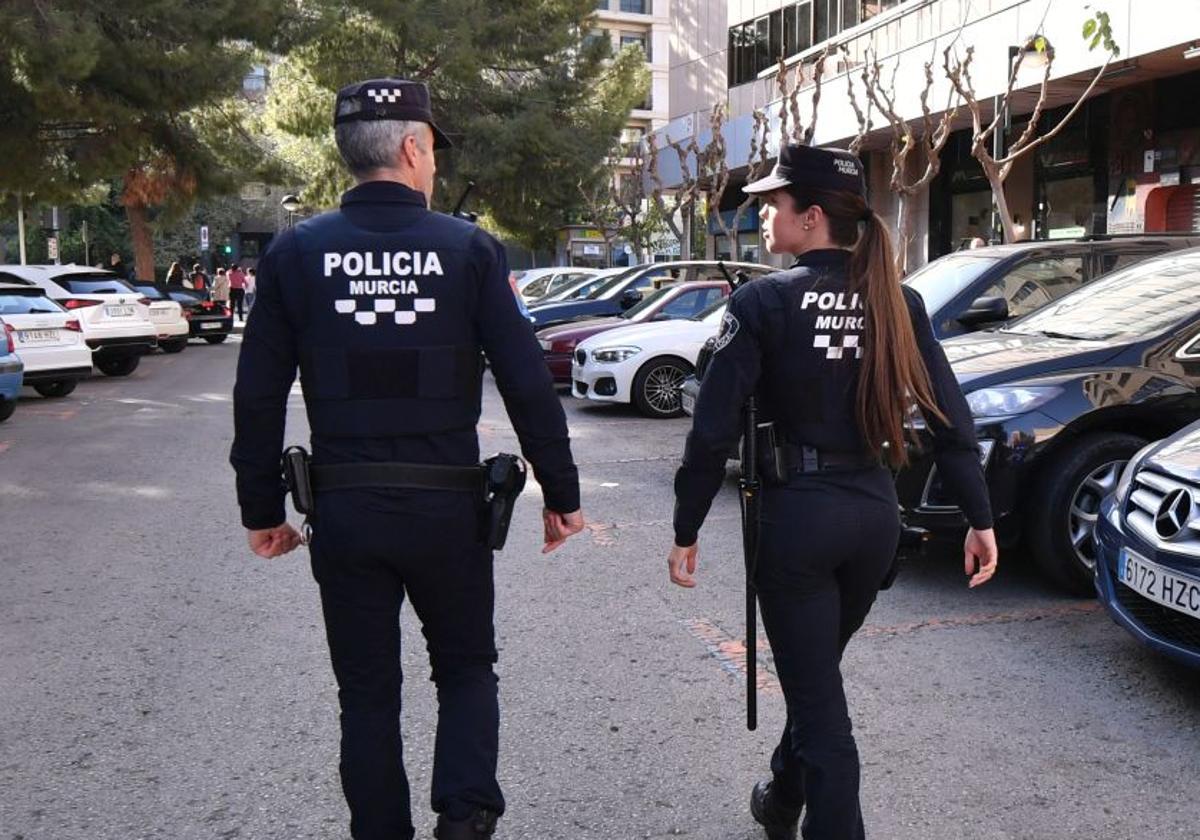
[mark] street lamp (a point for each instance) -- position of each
(291, 203)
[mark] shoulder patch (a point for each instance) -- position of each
(729, 328)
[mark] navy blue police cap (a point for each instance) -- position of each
(808, 166)
(388, 99)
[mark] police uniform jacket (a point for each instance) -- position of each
(384, 306)
(794, 338)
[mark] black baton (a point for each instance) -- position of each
(750, 522)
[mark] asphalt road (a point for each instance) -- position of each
(157, 680)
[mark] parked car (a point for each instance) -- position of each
(984, 287)
(1062, 399)
(12, 371)
(115, 319)
(680, 300)
(626, 290)
(534, 283)
(47, 338)
(206, 319)
(644, 364)
(1148, 547)
(167, 317)
(581, 289)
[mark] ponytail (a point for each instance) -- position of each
(893, 382)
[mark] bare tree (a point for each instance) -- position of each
(997, 167)
(931, 139)
(677, 205)
(789, 105)
(717, 176)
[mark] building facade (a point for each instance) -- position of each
(1127, 162)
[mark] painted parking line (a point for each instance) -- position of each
(53, 413)
(730, 653)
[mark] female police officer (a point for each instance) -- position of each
(837, 354)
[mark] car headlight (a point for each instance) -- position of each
(1003, 402)
(1126, 482)
(614, 354)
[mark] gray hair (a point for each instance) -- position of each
(367, 145)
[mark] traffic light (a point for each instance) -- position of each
(226, 249)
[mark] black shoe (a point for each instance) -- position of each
(479, 826)
(778, 819)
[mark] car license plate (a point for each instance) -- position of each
(1159, 584)
(687, 402)
(37, 336)
(118, 311)
(214, 325)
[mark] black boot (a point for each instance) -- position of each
(778, 819)
(478, 826)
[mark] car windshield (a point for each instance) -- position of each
(942, 280)
(93, 284)
(20, 304)
(151, 292)
(714, 313)
(187, 297)
(647, 303)
(1142, 300)
(596, 289)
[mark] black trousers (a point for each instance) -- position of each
(369, 550)
(237, 300)
(827, 542)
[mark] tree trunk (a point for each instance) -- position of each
(143, 242)
(685, 240)
(997, 184)
(903, 222)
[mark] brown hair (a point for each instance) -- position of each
(893, 379)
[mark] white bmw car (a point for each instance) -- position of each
(643, 364)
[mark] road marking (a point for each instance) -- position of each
(4, 445)
(55, 413)
(730, 653)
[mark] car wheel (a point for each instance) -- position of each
(1066, 506)
(57, 388)
(657, 387)
(215, 339)
(7, 407)
(174, 346)
(119, 367)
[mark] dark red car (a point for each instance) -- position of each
(678, 300)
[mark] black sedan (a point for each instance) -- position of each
(207, 319)
(1148, 539)
(1062, 399)
(984, 287)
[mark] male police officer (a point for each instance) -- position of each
(384, 307)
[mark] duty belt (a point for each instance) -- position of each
(809, 459)
(382, 475)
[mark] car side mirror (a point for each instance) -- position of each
(631, 298)
(985, 310)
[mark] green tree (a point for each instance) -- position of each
(137, 90)
(532, 102)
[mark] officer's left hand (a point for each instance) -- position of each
(272, 542)
(680, 559)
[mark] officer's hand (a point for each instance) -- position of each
(559, 526)
(980, 556)
(272, 542)
(680, 559)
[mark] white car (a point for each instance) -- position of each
(535, 283)
(644, 364)
(46, 337)
(114, 318)
(167, 317)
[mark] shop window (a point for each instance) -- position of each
(1069, 207)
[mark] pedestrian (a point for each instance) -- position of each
(399, 301)
(237, 290)
(251, 286)
(117, 266)
(220, 287)
(199, 279)
(175, 275)
(835, 351)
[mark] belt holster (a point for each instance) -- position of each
(298, 479)
(504, 479)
